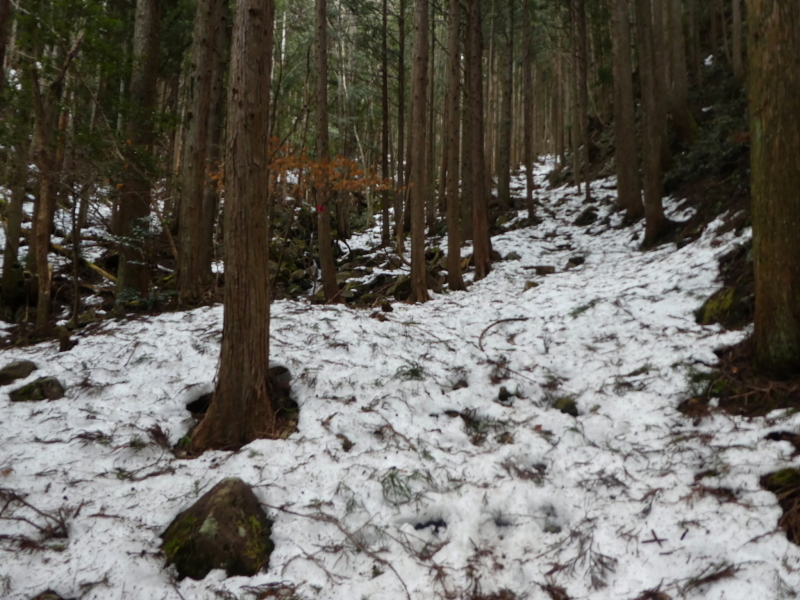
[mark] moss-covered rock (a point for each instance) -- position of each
(566, 405)
(717, 308)
(225, 529)
(16, 370)
(44, 388)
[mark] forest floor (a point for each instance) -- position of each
(518, 440)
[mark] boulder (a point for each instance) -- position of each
(16, 370)
(47, 595)
(544, 269)
(567, 406)
(44, 388)
(225, 529)
(587, 217)
(512, 256)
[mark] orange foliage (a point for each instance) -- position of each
(294, 173)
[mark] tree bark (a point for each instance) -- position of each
(480, 213)
(241, 408)
(193, 274)
(5, 13)
(651, 126)
(386, 235)
(506, 118)
(681, 117)
(583, 94)
(322, 190)
(134, 205)
(454, 279)
(417, 119)
(400, 196)
(738, 68)
(216, 126)
(774, 87)
(629, 189)
(528, 119)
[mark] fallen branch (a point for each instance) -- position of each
(488, 327)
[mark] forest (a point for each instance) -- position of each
(386, 299)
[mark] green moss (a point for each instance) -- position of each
(783, 480)
(259, 546)
(177, 539)
(717, 307)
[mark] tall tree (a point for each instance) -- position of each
(322, 189)
(506, 118)
(193, 271)
(652, 130)
(385, 227)
(480, 209)
(528, 120)
(5, 13)
(134, 200)
(583, 93)
(241, 408)
(774, 88)
(454, 279)
(419, 168)
(629, 189)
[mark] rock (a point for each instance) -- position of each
(16, 370)
(567, 406)
(530, 285)
(504, 394)
(393, 262)
(401, 289)
(386, 306)
(544, 269)
(433, 282)
(225, 529)
(348, 293)
(47, 595)
(297, 275)
(512, 256)
(460, 384)
(343, 276)
(44, 388)
(587, 217)
(575, 261)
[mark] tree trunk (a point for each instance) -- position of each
(774, 86)
(193, 274)
(5, 13)
(651, 126)
(737, 39)
(583, 94)
(417, 120)
(12, 283)
(507, 91)
(216, 125)
(134, 275)
(454, 278)
(241, 408)
(386, 235)
(681, 117)
(629, 191)
(528, 120)
(480, 216)
(400, 196)
(322, 189)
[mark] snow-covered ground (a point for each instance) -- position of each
(607, 504)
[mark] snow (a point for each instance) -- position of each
(605, 504)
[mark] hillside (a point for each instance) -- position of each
(518, 440)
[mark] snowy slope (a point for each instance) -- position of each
(604, 504)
